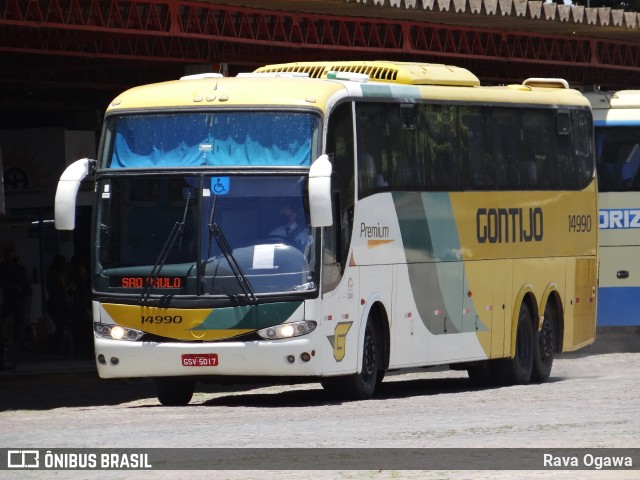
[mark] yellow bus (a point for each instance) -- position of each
(333, 221)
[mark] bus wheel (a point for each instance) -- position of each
(517, 370)
(544, 346)
(172, 392)
(360, 386)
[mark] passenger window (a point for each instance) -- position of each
(340, 147)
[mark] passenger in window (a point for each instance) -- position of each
(58, 301)
(529, 174)
(370, 175)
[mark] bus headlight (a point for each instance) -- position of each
(117, 332)
(288, 330)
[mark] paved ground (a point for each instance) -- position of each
(592, 400)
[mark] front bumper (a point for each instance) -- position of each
(122, 359)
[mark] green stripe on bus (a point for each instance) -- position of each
(389, 91)
(428, 227)
(414, 228)
(252, 317)
(434, 260)
(442, 226)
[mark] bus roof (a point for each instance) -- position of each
(227, 91)
(615, 108)
(615, 99)
(318, 84)
(407, 73)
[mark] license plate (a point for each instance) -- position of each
(200, 360)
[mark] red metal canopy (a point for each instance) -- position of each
(111, 44)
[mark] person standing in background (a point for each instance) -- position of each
(79, 289)
(58, 304)
(16, 290)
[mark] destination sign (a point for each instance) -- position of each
(142, 282)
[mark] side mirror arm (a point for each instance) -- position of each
(68, 186)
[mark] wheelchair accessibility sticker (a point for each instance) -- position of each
(219, 186)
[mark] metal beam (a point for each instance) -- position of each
(178, 31)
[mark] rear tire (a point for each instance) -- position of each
(173, 392)
(517, 370)
(362, 385)
(545, 341)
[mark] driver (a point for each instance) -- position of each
(290, 230)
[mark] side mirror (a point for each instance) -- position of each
(320, 192)
(68, 185)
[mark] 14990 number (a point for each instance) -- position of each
(579, 223)
(158, 319)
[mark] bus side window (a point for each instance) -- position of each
(507, 149)
(540, 168)
(446, 168)
(475, 139)
(375, 148)
(405, 121)
(332, 271)
(567, 166)
(340, 145)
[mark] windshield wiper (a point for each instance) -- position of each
(176, 231)
(227, 251)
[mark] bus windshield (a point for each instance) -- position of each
(174, 139)
(618, 157)
(204, 235)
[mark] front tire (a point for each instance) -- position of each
(518, 370)
(173, 392)
(362, 385)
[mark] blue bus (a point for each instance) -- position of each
(617, 133)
